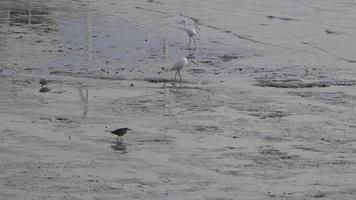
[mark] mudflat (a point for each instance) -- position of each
(268, 113)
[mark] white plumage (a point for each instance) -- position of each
(191, 33)
(179, 66)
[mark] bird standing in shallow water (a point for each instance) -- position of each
(191, 33)
(179, 66)
(120, 132)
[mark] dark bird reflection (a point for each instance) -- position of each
(119, 146)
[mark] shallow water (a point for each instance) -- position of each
(80, 39)
(268, 113)
(79, 36)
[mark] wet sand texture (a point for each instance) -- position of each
(269, 112)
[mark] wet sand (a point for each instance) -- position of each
(269, 113)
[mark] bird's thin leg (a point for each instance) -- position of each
(195, 46)
(192, 52)
(190, 40)
(180, 78)
(175, 75)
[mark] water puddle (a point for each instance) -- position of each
(79, 40)
(105, 44)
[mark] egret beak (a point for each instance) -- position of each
(194, 62)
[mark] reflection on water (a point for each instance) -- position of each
(167, 110)
(19, 13)
(84, 99)
(71, 35)
(75, 33)
(164, 49)
(119, 146)
(29, 17)
(169, 102)
(17, 19)
(191, 54)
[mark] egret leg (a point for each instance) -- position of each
(180, 78)
(191, 52)
(190, 40)
(195, 46)
(175, 75)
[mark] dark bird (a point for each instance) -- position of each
(120, 132)
(43, 82)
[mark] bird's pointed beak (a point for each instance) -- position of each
(194, 62)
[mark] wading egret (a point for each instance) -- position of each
(179, 66)
(191, 33)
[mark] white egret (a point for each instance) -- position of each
(191, 33)
(179, 66)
